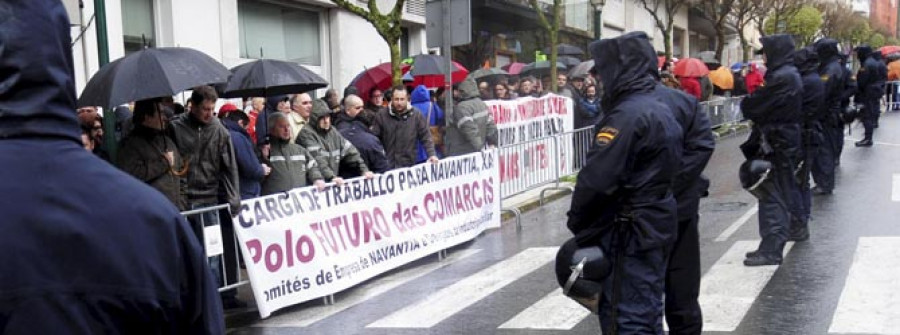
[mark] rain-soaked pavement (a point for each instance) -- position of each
(845, 279)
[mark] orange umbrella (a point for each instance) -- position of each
(690, 67)
(722, 78)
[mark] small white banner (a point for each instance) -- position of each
(214, 244)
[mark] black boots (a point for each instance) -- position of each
(864, 143)
(760, 258)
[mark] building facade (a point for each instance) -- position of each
(330, 41)
(883, 16)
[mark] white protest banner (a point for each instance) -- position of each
(305, 244)
(532, 121)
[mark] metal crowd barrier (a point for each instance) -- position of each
(723, 111)
(543, 161)
(892, 96)
(196, 220)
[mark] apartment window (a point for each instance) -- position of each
(579, 14)
(137, 25)
(279, 32)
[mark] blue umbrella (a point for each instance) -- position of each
(737, 66)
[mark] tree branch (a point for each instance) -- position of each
(542, 19)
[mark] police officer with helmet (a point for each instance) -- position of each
(776, 112)
(870, 79)
(623, 200)
(814, 134)
(829, 120)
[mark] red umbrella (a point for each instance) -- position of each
(660, 60)
(437, 80)
(379, 76)
(690, 67)
(514, 68)
(887, 50)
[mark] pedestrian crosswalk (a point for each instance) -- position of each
(728, 292)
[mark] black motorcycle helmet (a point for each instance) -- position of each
(754, 175)
(581, 271)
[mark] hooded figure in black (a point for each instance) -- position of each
(88, 248)
(834, 78)
(623, 200)
(776, 109)
(870, 81)
(807, 62)
(683, 313)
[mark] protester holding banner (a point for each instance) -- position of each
(357, 132)
(328, 147)
(292, 165)
(399, 127)
(470, 126)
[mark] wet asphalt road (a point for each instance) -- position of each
(801, 297)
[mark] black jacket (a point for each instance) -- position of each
(87, 248)
(635, 155)
(779, 100)
(776, 108)
(871, 76)
(807, 62)
(209, 152)
(370, 149)
(834, 76)
(398, 133)
(142, 155)
(250, 170)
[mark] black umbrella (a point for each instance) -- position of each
(568, 61)
(151, 73)
(540, 68)
(267, 77)
(566, 49)
(428, 65)
(488, 74)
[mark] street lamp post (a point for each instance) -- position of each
(598, 17)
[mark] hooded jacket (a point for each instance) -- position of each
(211, 164)
(469, 126)
(292, 167)
(635, 155)
(776, 108)
(370, 149)
(421, 100)
(398, 132)
(250, 171)
(807, 62)
(142, 155)
(328, 147)
(834, 78)
(88, 248)
(871, 76)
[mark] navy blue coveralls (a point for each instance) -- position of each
(623, 194)
(683, 314)
(88, 249)
(870, 87)
(776, 112)
(814, 134)
(834, 77)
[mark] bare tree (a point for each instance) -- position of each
(552, 28)
(717, 12)
(388, 27)
(665, 23)
(778, 11)
(741, 16)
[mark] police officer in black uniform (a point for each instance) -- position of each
(623, 200)
(826, 153)
(814, 111)
(870, 81)
(776, 112)
(683, 314)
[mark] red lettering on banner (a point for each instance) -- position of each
(509, 166)
(458, 199)
(275, 256)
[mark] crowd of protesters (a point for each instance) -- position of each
(204, 156)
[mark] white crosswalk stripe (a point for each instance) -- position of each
(555, 312)
(453, 299)
(729, 288)
(363, 293)
(895, 193)
(869, 301)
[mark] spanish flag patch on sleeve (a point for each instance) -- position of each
(606, 135)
